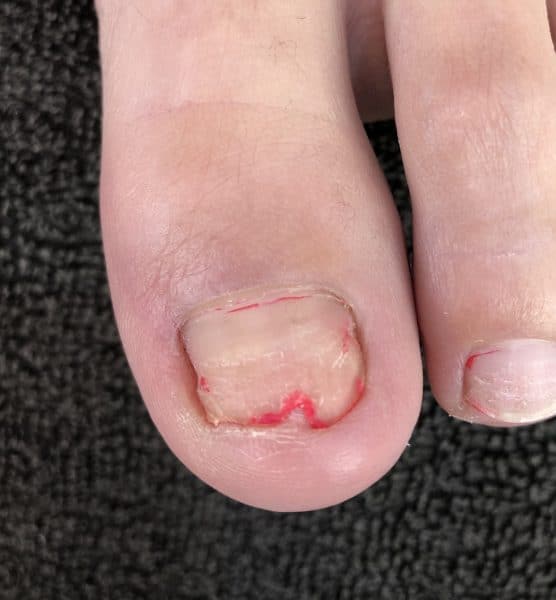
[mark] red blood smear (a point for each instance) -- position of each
(203, 384)
(473, 357)
(298, 399)
(282, 298)
(246, 307)
(479, 408)
(258, 304)
(295, 400)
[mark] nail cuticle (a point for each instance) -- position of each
(256, 297)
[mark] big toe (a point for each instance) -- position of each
(255, 258)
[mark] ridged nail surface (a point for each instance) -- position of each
(513, 381)
(263, 357)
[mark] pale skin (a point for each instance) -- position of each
(250, 237)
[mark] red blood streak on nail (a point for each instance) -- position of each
(479, 408)
(296, 399)
(203, 384)
(473, 357)
(258, 304)
(360, 387)
(246, 307)
(283, 298)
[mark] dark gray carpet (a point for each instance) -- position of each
(93, 505)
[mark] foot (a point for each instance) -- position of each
(255, 258)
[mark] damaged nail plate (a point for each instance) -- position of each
(513, 382)
(268, 356)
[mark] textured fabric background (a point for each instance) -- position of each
(93, 505)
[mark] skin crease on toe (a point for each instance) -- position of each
(236, 174)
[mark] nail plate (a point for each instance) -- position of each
(266, 356)
(513, 382)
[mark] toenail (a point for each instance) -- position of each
(264, 356)
(513, 382)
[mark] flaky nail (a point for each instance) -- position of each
(266, 356)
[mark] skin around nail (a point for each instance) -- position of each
(267, 357)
